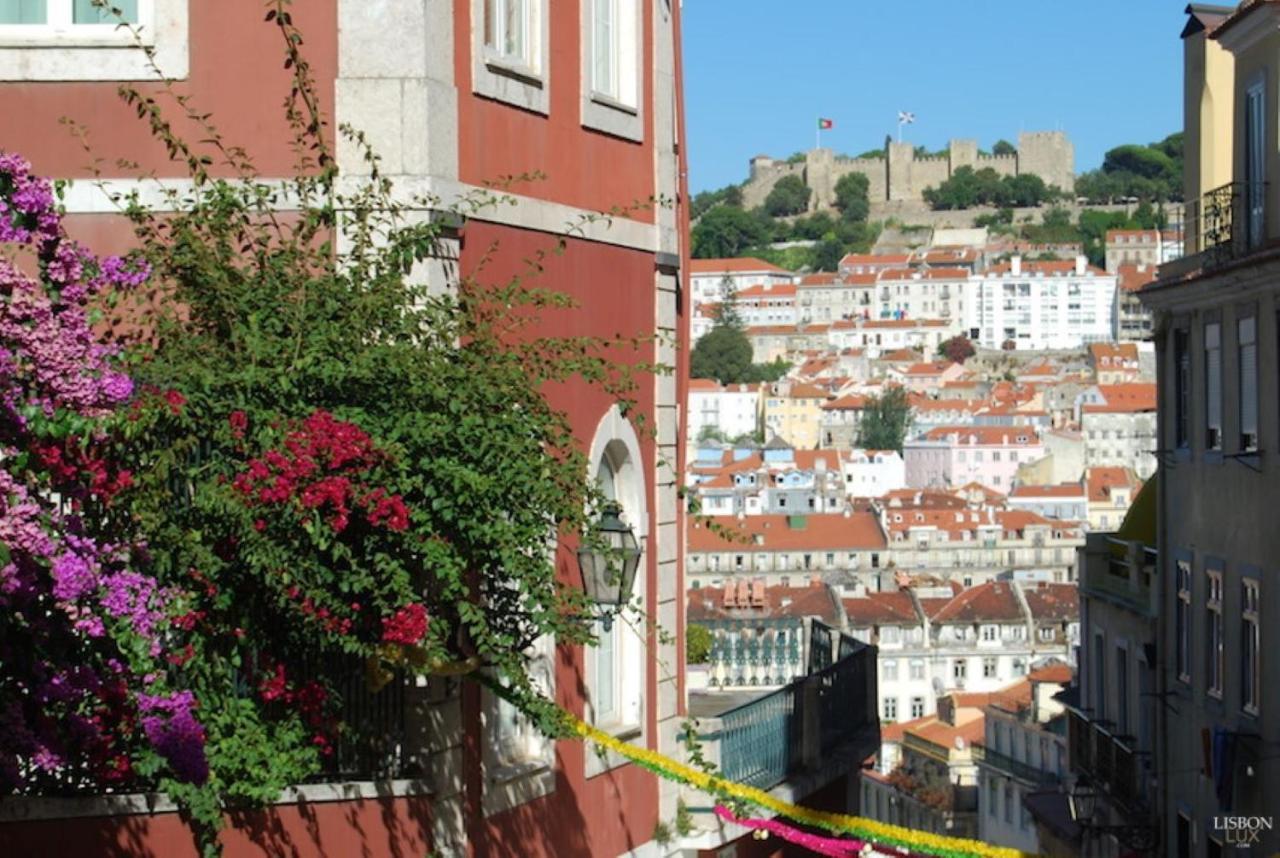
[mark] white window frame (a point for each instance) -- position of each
(1183, 621)
(617, 443)
(1215, 634)
(63, 51)
(523, 82)
(1251, 643)
(518, 767)
(1248, 401)
(619, 112)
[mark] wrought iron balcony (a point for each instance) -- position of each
(802, 725)
(1109, 761)
(1227, 222)
(1015, 768)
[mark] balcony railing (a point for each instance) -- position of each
(1227, 222)
(1016, 768)
(801, 725)
(1108, 760)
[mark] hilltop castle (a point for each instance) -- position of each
(900, 176)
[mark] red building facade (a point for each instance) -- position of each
(579, 99)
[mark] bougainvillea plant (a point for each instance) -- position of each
(83, 627)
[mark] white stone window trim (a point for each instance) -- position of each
(526, 85)
(615, 114)
(514, 778)
(616, 439)
(62, 51)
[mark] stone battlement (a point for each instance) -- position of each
(900, 176)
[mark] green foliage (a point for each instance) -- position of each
(813, 228)
(871, 153)
(827, 255)
(968, 188)
(697, 644)
(852, 197)
(725, 231)
(1004, 147)
(1152, 172)
(796, 158)
(885, 421)
(257, 323)
(723, 353)
(790, 196)
(684, 819)
(999, 221)
(730, 195)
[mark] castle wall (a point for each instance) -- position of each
(1049, 155)
(901, 177)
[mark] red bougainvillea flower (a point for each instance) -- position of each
(175, 399)
(406, 626)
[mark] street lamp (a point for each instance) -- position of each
(1083, 803)
(609, 563)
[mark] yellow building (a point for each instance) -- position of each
(793, 412)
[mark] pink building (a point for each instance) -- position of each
(958, 455)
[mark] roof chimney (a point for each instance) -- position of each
(1082, 263)
(1015, 266)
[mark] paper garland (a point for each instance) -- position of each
(829, 846)
(864, 829)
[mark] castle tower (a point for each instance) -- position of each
(901, 158)
(962, 153)
(1049, 155)
(820, 176)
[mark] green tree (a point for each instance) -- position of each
(870, 153)
(731, 195)
(725, 231)
(853, 197)
(790, 196)
(723, 353)
(812, 228)
(827, 255)
(768, 372)
(1004, 147)
(697, 644)
(1023, 190)
(885, 421)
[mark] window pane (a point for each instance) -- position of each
(603, 47)
(85, 12)
(491, 23)
(605, 696)
(23, 12)
(514, 33)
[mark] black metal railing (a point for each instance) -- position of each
(1227, 222)
(1016, 768)
(1109, 761)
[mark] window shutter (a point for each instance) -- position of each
(1213, 383)
(1248, 340)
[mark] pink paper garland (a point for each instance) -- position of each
(830, 846)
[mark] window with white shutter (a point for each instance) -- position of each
(1213, 385)
(1247, 345)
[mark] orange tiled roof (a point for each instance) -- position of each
(884, 608)
(830, 532)
(755, 599)
(1062, 490)
(990, 436)
(1046, 266)
(994, 600)
(1053, 602)
(894, 274)
(1133, 278)
(1124, 398)
(1113, 352)
(1102, 480)
(851, 259)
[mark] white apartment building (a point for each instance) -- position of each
(921, 293)
(766, 304)
(1118, 422)
(1040, 305)
(935, 641)
(882, 335)
(1024, 751)
(731, 410)
(873, 473)
(713, 280)
(830, 297)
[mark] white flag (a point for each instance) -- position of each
(906, 117)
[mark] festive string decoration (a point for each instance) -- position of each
(833, 847)
(879, 834)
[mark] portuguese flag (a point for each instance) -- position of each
(824, 124)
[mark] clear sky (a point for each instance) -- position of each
(759, 73)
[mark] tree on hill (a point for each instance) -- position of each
(725, 231)
(790, 196)
(723, 353)
(885, 421)
(968, 187)
(1152, 172)
(827, 255)
(730, 195)
(853, 197)
(958, 349)
(1004, 147)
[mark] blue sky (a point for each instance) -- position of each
(759, 73)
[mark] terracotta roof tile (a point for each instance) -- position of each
(830, 532)
(1124, 398)
(1133, 278)
(743, 265)
(710, 603)
(885, 608)
(994, 600)
(989, 436)
(1102, 480)
(1053, 602)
